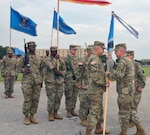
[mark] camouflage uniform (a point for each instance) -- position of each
(8, 71)
(54, 82)
(125, 77)
(71, 91)
(140, 81)
(95, 91)
(82, 80)
(31, 82)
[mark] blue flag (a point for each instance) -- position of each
(127, 26)
(63, 27)
(18, 52)
(111, 35)
(22, 23)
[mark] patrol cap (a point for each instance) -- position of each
(73, 47)
(90, 48)
(98, 43)
(53, 48)
(122, 45)
(130, 52)
(31, 43)
(9, 50)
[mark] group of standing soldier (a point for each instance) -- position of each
(83, 77)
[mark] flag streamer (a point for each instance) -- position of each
(127, 26)
(22, 23)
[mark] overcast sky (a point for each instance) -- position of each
(91, 22)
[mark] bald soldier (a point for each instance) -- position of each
(125, 77)
(140, 81)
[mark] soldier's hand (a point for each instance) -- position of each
(57, 57)
(27, 70)
(107, 84)
(59, 72)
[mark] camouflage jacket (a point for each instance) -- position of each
(35, 67)
(8, 67)
(96, 71)
(124, 75)
(72, 67)
(82, 74)
(140, 78)
(50, 64)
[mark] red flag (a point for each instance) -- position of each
(97, 2)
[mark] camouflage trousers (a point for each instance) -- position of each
(9, 84)
(96, 107)
(126, 113)
(31, 93)
(71, 94)
(84, 104)
(136, 99)
(54, 93)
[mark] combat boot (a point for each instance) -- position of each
(99, 129)
(84, 122)
(6, 96)
(88, 132)
(73, 113)
(140, 130)
(123, 132)
(33, 120)
(27, 120)
(131, 124)
(69, 114)
(10, 96)
(50, 116)
(56, 116)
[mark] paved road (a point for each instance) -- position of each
(11, 117)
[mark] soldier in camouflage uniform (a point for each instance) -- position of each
(82, 85)
(8, 72)
(31, 83)
(125, 77)
(54, 80)
(71, 91)
(97, 85)
(140, 81)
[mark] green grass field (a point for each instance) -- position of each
(146, 70)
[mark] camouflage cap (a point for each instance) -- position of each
(9, 50)
(73, 47)
(130, 52)
(101, 44)
(122, 45)
(31, 43)
(90, 48)
(53, 48)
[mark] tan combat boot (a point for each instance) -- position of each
(50, 116)
(99, 129)
(88, 132)
(10, 96)
(140, 130)
(69, 114)
(123, 132)
(6, 96)
(131, 124)
(33, 120)
(56, 116)
(84, 122)
(27, 120)
(73, 113)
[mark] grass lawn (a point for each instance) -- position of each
(146, 70)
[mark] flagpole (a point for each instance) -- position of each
(10, 38)
(58, 24)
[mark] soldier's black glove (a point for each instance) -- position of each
(27, 70)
